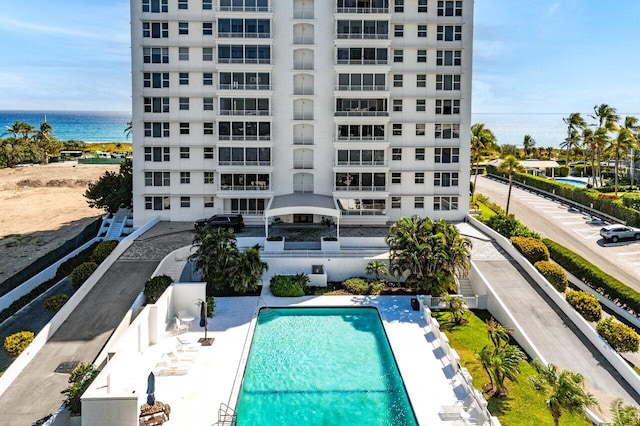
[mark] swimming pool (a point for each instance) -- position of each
(322, 366)
(574, 182)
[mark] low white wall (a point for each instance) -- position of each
(336, 268)
(43, 337)
(33, 282)
(245, 242)
(363, 242)
(616, 361)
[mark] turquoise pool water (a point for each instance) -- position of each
(322, 366)
(574, 182)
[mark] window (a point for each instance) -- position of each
(156, 80)
(208, 153)
(398, 30)
(445, 179)
(447, 82)
(248, 205)
(208, 201)
(156, 154)
(185, 201)
(422, 55)
(445, 203)
(447, 131)
(208, 128)
(449, 32)
(156, 130)
(183, 53)
(207, 79)
(208, 177)
(156, 104)
(398, 55)
(207, 104)
(157, 203)
(420, 129)
(419, 154)
(155, 6)
(183, 28)
(399, 6)
(207, 54)
(447, 155)
(449, 8)
(396, 177)
(447, 106)
(183, 4)
(449, 58)
(207, 28)
(419, 177)
(396, 154)
(397, 129)
(184, 152)
(396, 202)
(421, 80)
(155, 29)
(207, 5)
(184, 78)
(397, 105)
(421, 105)
(185, 177)
(155, 55)
(397, 80)
(157, 179)
(184, 130)
(418, 202)
(184, 104)
(422, 31)
(422, 6)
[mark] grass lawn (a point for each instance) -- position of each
(523, 406)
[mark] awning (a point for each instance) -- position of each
(302, 203)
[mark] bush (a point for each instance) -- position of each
(154, 288)
(508, 226)
(54, 303)
(533, 250)
(563, 171)
(102, 250)
(275, 238)
(69, 265)
(631, 201)
(553, 273)
(15, 343)
(81, 272)
(286, 286)
(356, 285)
(79, 380)
(376, 287)
(586, 304)
(621, 337)
(211, 306)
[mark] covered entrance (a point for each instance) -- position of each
(303, 207)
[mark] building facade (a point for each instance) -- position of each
(358, 109)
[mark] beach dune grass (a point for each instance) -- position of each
(109, 146)
(524, 406)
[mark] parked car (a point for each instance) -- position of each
(618, 232)
(231, 222)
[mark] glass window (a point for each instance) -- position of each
(420, 129)
(184, 130)
(398, 55)
(183, 28)
(185, 177)
(421, 105)
(397, 105)
(419, 177)
(396, 154)
(208, 201)
(421, 80)
(396, 177)
(185, 201)
(422, 31)
(183, 4)
(184, 151)
(398, 30)
(207, 28)
(184, 104)
(399, 6)
(397, 129)
(422, 6)
(418, 202)
(397, 80)
(184, 78)
(396, 202)
(208, 153)
(422, 55)
(207, 5)
(419, 154)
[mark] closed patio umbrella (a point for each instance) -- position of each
(151, 389)
(203, 323)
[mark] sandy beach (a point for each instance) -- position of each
(41, 207)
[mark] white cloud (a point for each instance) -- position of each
(9, 24)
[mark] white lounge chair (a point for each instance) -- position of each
(185, 345)
(180, 327)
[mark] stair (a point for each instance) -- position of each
(117, 225)
(466, 289)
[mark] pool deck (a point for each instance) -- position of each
(215, 374)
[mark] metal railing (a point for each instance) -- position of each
(433, 302)
(304, 165)
(244, 112)
(361, 113)
(303, 91)
(361, 36)
(362, 62)
(230, 34)
(361, 10)
(244, 60)
(361, 138)
(302, 116)
(302, 66)
(244, 163)
(245, 188)
(303, 40)
(363, 212)
(303, 141)
(365, 188)
(243, 9)
(361, 163)
(303, 14)
(226, 415)
(362, 253)
(361, 87)
(235, 86)
(244, 138)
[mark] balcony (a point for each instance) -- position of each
(303, 116)
(361, 113)
(235, 86)
(244, 138)
(303, 141)
(361, 163)
(367, 10)
(303, 165)
(303, 40)
(245, 163)
(245, 112)
(362, 62)
(360, 88)
(243, 35)
(361, 36)
(360, 188)
(243, 9)
(303, 91)
(303, 66)
(361, 139)
(245, 187)
(266, 61)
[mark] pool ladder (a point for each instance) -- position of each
(226, 415)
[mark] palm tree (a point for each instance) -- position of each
(624, 415)
(216, 256)
(563, 389)
(549, 152)
(377, 267)
(498, 333)
(572, 140)
(248, 270)
(15, 130)
(510, 165)
(44, 140)
(607, 122)
(574, 123)
(528, 143)
(128, 129)
(631, 123)
(600, 140)
(501, 363)
(482, 140)
(621, 145)
(589, 145)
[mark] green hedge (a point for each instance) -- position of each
(508, 227)
(553, 273)
(81, 272)
(532, 249)
(54, 303)
(598, 280)
(286, 286)
(586, 304)
(102, 250)
(154, 287)
(15, 343)
(621, 337)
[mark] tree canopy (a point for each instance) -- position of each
(26, 144)
(113, 190)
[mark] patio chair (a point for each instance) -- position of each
(180, 327)
(185, 345)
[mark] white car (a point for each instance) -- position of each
(615, 233)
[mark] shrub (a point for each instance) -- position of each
(102, 250)
(533, 250)
(621, 337)
(154, 288)
(508, 226)
(81, 272)
(631, 201)
(211, 306)
(275, 238)
(586, 304)
(15, 343)
(69, 265)
(54, 303)
(356, 285)
(79, 380)
(563, 171)
(376, 287)
(286, 286)
(553, 273)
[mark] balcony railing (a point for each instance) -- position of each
(303, 40)
(362, 62)
(361, 10)
(244, 112)
(304, 165)
(303, 91)
(361, 113)
(245, 188)
(303, 14)
(361, 36)
(244, 163)
(303, 141)
(361, 87)
(243, 35)
(361, 163)
(243, 9)
(244, 138)
(235, 86)
(244, 60)
(360, 138)
(367, 188)
(303, 66)
(305, 116)
(363, 212)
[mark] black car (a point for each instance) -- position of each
(231, 222)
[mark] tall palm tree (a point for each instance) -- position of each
(600, 140)
(128, 129)
(549, 151)
(15, 129)
(631, 123)
(563, 389)
(574, 123)
(482, 140)
(572, 140)
(588, 143)
(621, 145)
(498, 333)
(248, 270)
(528, 143)
(510, 165)
(606, 116)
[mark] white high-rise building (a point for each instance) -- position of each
(301, 109)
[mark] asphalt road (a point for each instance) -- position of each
(569, 228)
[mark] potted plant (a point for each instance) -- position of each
(274, 243)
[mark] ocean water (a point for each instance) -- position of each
(92, 126)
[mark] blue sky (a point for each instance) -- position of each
(543, 56)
